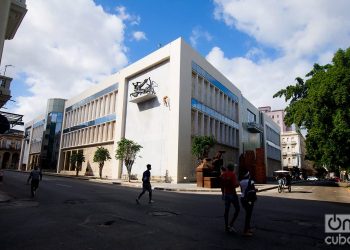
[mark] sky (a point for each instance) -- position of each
(63, 47)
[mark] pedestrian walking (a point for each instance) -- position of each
(248, 197)
(229, 183)
(146, 185)
(35, 176)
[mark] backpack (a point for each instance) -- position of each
(250, 192)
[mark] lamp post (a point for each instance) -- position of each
(7, 65)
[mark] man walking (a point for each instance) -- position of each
(36, 176)
(248, 197)
(229, 184)
(146, 185)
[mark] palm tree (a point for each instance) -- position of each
(127, 151)
(76, 159)
(101, 155)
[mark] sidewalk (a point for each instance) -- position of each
(180, 187)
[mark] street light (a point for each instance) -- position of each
(7, 65)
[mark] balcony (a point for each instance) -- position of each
(254, 127)
(5, 93)
(17, 12)
(142, 98)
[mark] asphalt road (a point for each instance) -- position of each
(77, 214)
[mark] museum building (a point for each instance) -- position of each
(161, 102)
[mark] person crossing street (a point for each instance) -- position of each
(35, 176)
(146, 185)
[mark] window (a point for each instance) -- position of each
(251, 116)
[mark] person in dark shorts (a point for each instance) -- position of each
(36, 176)
(247, 184)
(146, 185)
(229, 183)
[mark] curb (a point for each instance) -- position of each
(213, 190)
(139, 184)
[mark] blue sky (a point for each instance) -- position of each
(63, 47)
(164, 21)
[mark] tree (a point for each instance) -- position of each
(321, 104)
(127, 151)
(201, 146)
(101, 155)
(76, 159)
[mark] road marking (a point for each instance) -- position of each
(63, 185)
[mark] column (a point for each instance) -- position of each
(108, 104)
(93, 108)
(114, 96)
(195, 121)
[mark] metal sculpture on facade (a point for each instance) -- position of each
(139, 88)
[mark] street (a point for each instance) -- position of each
(76, 214)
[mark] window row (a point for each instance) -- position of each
(99, 107)
(35, 147)
(10, 144)
(213, 97)
(273, 153)
(95, 134)
(272, 136)
(290, 161)
(38, 132)
(208, 126)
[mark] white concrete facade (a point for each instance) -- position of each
(40, 136)
(293, 150)
(190, 98)
(32, 143)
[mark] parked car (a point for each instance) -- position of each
(335, 179)
(312, 178)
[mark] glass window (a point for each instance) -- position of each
(251, 116)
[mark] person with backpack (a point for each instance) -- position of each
(229, 183)
(146, 185)
(36, 176)
(248, 197)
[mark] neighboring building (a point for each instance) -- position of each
(12, 13)
(293, 142)
(42, 138)
(10, 148)
(261, 135)
(278, 117)
(293, 150)
(272, 146)
(161, 102)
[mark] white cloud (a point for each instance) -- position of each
(198, 33)
(259, 81)
(301, 33)
(63, 47)
(139, 35)
(133, 19)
